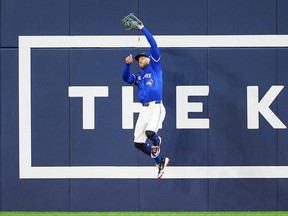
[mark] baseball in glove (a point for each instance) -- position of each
(131, 22)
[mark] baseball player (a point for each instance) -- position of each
(149, 83)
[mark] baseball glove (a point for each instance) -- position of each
(131, 22)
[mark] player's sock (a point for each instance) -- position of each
(158, 159)
(155, 139)
(145, 148)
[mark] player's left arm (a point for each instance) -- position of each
(155, 53)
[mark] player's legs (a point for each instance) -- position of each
(156, 117)
(155, 148)
(140, 136)
(153, 136)
(148, 123)
(144, 147)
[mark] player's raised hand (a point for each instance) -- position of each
(131, 22)
(129, 59)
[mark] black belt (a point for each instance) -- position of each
(147, 104)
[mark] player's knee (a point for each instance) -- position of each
(149, 134)
(138, 145)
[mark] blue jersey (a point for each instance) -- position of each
(148, 80)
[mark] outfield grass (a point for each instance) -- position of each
(144, 213)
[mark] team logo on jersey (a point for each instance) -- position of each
(150, 82)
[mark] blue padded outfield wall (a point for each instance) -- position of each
(67, 117)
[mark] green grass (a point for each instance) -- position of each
(144, 213)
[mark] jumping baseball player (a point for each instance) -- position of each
(149, 83)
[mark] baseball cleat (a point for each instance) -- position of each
(156, 149)
(161, 166)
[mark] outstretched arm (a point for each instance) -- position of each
(131, 22)
(153, 44)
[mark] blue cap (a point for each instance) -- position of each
(146, 54)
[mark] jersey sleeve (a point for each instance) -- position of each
(155, 53)
(127, 76)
